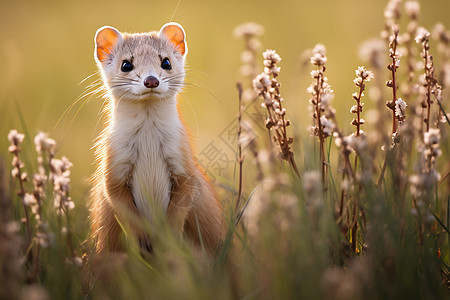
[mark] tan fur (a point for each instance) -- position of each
(193, 210)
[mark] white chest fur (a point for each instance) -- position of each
(145, 140)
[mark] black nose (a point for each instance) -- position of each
(151, 82)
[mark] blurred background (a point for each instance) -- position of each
(46, 49)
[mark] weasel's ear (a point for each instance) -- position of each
(105, 40)
(174, 32)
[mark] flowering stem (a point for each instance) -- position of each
(429, 85)
(358, 116)
(319, 125)
(21, 194)
(393, 69)
(240, 157)
(27, 218)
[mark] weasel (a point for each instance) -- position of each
(145, 162)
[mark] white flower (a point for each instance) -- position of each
(70, 204)
(315, 74)
(311, 89)
(14, 137)
(364, 73)
(327, 125)
(318, 59)
(261, 82)
(422, 35)
(372, 51)
(43, 142)
(248, 29)
(273, 70)
(29, 199)
(319, 48)
(247, 57)
(358, 81)
(412, 9)
(319, 55)
(326, 98)
(271, 57)
(438, 31)
(400, 107)
(432, 137)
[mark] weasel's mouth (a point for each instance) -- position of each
(148, 95)
(150, 92)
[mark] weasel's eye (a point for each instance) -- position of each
(126, 66)
(165, 64)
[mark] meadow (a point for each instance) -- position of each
(330, 152)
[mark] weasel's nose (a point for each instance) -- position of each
(151, 82)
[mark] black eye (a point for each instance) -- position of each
(165, 64)
(126, 66)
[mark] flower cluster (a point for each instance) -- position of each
(43, 145)
(392, 14)
(319, 57)
(60, 169)
(412, 9)
(10, 241)
(423, 36)
(312, 187)
(15, 140)
(400, 108)
(268, 87)
(271, 59)
(392, 83)
(57, 171)
(431, 140)
(283, 211)
(322, 94)
(422, 184)
(323, 113)
(443, 37)
(249, 32)
(441, 34)
(430, 85)
(362, 75)
(372, 51)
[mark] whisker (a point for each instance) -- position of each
(193, 111)
(89, 76)
(117, 105)
(127, 79)
(89, 92)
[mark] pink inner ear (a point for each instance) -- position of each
(176, 37)
(106, 40)
(179, 45)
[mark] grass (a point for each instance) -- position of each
(357, 223)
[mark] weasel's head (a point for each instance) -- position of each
(142, 66)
